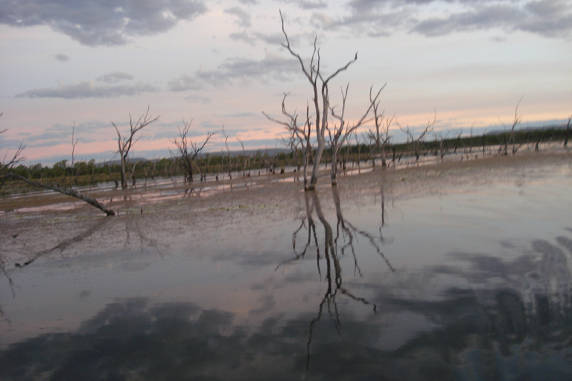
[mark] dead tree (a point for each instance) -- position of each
(417, 141)
(228, 158)
(567, 131)
(298, 134)
(339, 133)
(188, 150)
(511, 136)
(320, 95)
(380, 136)
(127, 141)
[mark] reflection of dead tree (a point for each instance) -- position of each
(320, 92)
(126, 142)
(298, 135)
(340, 132)
(416, 142)
(351, 230)
(380, 136)
(189, 150)
(63, 245)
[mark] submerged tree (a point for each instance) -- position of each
(125, 142)
(379, 136)
(415, 140)
(298, 134)
(319, 83)
(189, 150)
(339, 133)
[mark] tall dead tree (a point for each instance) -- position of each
(298, 134)
(380, 135)
(188, 150)
(415, 140)
(127, 141)
(319, 84)
(340, 131)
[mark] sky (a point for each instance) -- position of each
(88, 63)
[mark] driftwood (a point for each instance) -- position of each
(68, 192)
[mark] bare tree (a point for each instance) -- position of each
(9, 161)
(416, 140)
(127, 141)
(380, 136)
(567, 131)
(298, 134)
(228, 158)
(320, 95)
(510, 139)
(339, 133)
(189, 150)
(6, 172)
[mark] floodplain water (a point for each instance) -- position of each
(456, 283)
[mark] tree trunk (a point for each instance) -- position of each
(123, 172)
(68, 192)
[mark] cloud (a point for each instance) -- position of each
(248, 2)
(61, 57)
(547, 18)
(115, 77)
(242, 17)
(274, 39)
(184, 83)
(268, 68)
(100, 22)
(88, 90)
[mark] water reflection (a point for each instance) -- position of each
(335, 246)
(503, 315)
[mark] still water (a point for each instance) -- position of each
(341, 285)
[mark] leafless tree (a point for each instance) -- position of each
(299, 134)
(320, 95)
(567, 131)
(340, 131)
(9, 161)
(228, 158)
(380, 136)
(127, 141)
(510, 139)
(188, 150)
(416, 139)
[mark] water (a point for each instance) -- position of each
(364, 282)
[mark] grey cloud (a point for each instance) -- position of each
(184, 83)
(305, 4)
(198, 99)
(252, 38)
(115, 77)
(88, 90)
(57, 133)
(100, 22)
(61, 57)
(242, 17)
(383, 17)
(244, 68)
(237, 69)
(545, 18)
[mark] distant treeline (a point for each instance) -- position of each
(89, 172)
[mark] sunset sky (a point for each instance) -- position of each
(219, 63)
